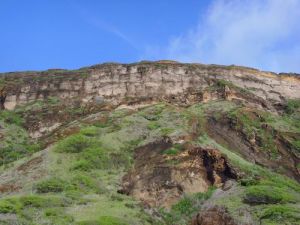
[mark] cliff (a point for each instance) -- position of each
(146, 80)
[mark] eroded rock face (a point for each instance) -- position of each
(159, 180)
(156, 80)
(225, 131)
(218, 170)
(215, 215)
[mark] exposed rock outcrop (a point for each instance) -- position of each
(146, 80)
(216, 215)
(160, 180)
(253, 148)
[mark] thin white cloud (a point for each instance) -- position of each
(111, 29)
(257, 33)
(92, 19)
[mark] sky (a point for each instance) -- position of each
(69, 34)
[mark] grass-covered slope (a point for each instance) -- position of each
(77, 179)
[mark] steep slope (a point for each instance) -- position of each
(150, 143)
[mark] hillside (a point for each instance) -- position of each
(161, 143)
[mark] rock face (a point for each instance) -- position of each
(146, 80)
(160, 180)
(213, 216)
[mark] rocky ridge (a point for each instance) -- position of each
(146, 80)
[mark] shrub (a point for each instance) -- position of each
(50, 185)
(97, 157)
(249, 181)
(37, 201)
(82, 165)
(280, 214)
(182, 211)
(202, 196)
(34, 201)
(74, 144)
(89, 131)
(58, 216)
(92, 158)
(52, 212)
(14, 150)
(53, 100)
(166, 131)
(153, 125)
(262, 194)
(118, 160)
(9, 206)
(184, 206)
(292, 105)
(174, 150)
(296, 144)
(103, 220)
(82, 182)
(171, 151)
(11, 117)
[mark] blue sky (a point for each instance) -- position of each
(42, 34)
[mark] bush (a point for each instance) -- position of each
(50, 185)
(202, 196)
(182, 211)
(14, 152)
(74, 144)
(184, 206)
(249, 181)
(8, 206)
(171, 151)
(153, 125)
(292, 105)
(174, 150)
(97, 157)
(83, 183)
(92, 158)
(11, 117)
(117, 160)
(166, 131)
(58, 216)
(37, 201)
(53, 100)
(103, 220)
(89, 131)
(296, 144)
(280, 214)
(263, 194)
(82, 165)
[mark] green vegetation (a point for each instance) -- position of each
(182, 212)
(8, 206)
(266, 194)
(11, 117)
(251, 124)
(50, 185)
(15, 141)
(174, 150)
(74, 144)
(153, 125)
(263, 188)
(280, 214)
(16, 204)
(296, 145)
(104, 220)
(27, 208)
(292, 106)
(81, 177)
